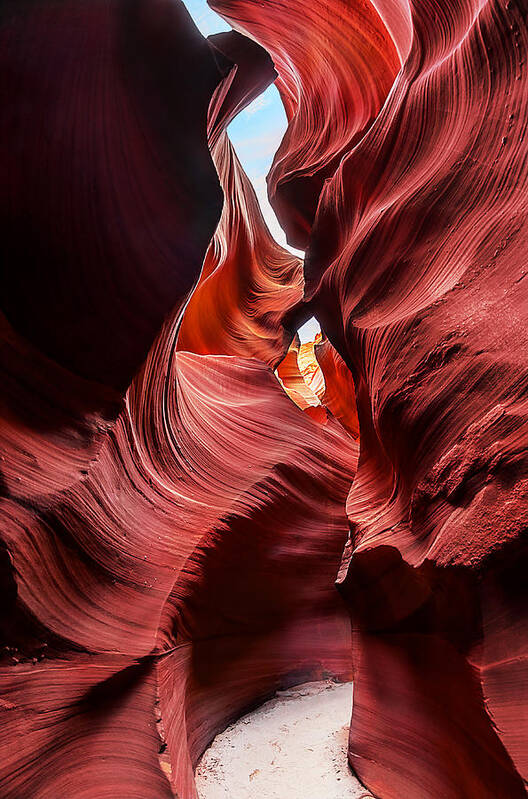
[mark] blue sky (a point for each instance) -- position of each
(257, 131)
(256, 134)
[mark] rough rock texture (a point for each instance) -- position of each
(415, 268)
(336, 62)
(171, 523)
(168, 552)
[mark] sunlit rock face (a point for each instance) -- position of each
(183, 481)
(336, 62)
(415, 267)
(248, 282)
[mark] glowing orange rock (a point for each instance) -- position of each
(248, 282)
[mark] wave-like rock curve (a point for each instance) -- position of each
(168, 551)
(336, 63)
(171, 522)
(415, 268)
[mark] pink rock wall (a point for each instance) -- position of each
(172, 525)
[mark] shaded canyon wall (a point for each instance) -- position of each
(182, 483)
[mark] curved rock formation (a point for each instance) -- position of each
(248, 282)
(108, 201)
(171, 523)
(305, 386)
(162, 574)
(167, 554)
(415, 269)
(418, 251)
(336, 63)
(426, 281)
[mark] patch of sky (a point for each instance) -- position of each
(257, 131)
(206, 20)
(309, 330)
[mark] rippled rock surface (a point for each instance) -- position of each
(182, 482)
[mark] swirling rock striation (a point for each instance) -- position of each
(248, 282)
(164, 583)
(336, 63)
(416, 269)
(171, 523)
(170, 527)
(427, 281)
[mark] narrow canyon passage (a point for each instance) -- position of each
(295, 744)
(211, 504)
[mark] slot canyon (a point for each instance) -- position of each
(198, 508)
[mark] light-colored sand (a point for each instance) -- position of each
(293, 747)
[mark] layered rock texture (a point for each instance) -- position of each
(182, 482)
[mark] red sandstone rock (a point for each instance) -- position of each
(248, 282)
(415, 269)
(171, 528)
(108, 200)
(162, 549)
(163, 569)
(336, 62)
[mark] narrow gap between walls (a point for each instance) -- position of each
(256, 133)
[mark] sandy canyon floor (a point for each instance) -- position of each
(292, 747)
